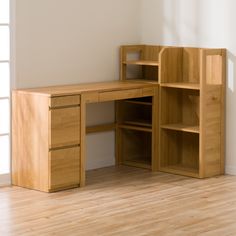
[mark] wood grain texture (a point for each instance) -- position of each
(37, 129)
(30, 141)
(64, 124)
(192, 92)
(171, 65)
(100, 128)
(92, 88)
(124, 201)
(147, 58)
(212, 112)
(65, 101)
(136, 132)
(155, 130)
(84, 98)
(64, 168)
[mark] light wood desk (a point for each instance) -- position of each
(49, 129)
(171, 119)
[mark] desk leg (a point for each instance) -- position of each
(82, 140)
(155, 131)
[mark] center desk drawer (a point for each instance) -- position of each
(65, 124)
(120, 94)
(64, 167)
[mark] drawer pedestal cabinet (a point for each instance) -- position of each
(169, 105)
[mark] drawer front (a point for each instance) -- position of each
(121, 94)
(64, 168)
(65, 101)
(65, 127)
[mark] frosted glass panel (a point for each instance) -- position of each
(4, 116)
(4, 155)
(4, 80)
(4, 11)
(4, 43)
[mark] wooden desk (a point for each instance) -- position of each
(49, 128)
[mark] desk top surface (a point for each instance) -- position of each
(63, 90)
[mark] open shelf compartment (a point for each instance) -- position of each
(179, 152)
(140, 62)
(135, 112)
(180, 68)
(135, 148)
(180, 110)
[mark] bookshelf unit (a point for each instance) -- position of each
(191, 105)
(192, 91)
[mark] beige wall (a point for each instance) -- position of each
(199, 23)
(74, 41)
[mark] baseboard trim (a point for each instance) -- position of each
(5, 180)
(230, 170)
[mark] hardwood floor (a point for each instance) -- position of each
(124, 201)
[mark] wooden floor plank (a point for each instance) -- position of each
(124, 201)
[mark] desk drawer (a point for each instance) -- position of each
(65, 127)
(64, 168)
(65, 101)
(121, 94)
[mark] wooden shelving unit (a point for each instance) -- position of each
(191, 106)
(192, 91)
(140, 62)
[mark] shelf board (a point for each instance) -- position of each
(138, 123)
(182, 127)
(138, 102)
(138, 163)
(141, 62)
(149, 81)
(181, 170)
(100, 128)
(132, 127)
(193, 86)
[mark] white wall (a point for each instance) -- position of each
(75, 41)
(199, 23)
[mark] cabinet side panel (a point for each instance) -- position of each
(30, 141)
(212, 126)
(212, 113)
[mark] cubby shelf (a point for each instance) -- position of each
(139, 123)
(181, 127)
(139, 102)
(181, 170)
(141, 62)
(133, 127)
(138, 163)
(193, 86)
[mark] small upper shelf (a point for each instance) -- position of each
(193, 86)
(141, 62)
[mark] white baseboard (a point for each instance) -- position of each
(230, 170)
(5, 180)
